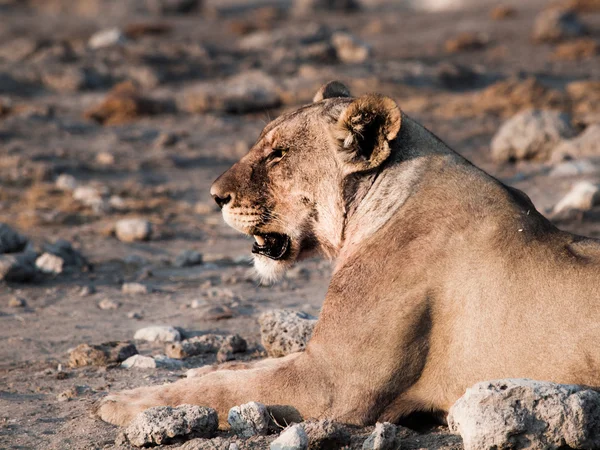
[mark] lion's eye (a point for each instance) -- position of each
(278, 153)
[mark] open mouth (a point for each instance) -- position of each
(271, 245)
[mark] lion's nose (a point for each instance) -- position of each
(221, 195)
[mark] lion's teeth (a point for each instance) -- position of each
(259, 239)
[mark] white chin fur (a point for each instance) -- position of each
(269, 271)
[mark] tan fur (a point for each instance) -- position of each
(443, 276)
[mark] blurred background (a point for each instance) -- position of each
(116, 116)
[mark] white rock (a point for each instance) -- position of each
(66, 182)
(531, 134)
(520, 413)
(161, 424)
(49, 263)
(131, 230)
(382, 438)
(349, 49)
(285, 331)
(582, 197)
(292, 438)
(107, 38)
(92, 197)
(108, 304)
(574, 168)
(158, 334)
(249, 419)
(135, 288)
(139, 362)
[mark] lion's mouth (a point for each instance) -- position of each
(271, 245)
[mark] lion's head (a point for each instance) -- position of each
(291, 192)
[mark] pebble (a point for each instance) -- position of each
(10, 240)
(531, 134)
(108, 304)
(87, 290)
(74, 392)
(188, 258)
(582, 197)
(526, 414)
(135, 315)
(131, 230)
(102, 354)
(249, 419)
(17, 302)
(557, 24)
(136, 288)
(158, 334)
(66, 182)
(92, 197)
(382, 438)
(292, 438)
(349, 49)
(285, 331)
(50, 264)
(107, 38)
(162, 424)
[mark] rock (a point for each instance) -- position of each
(249, 419)
(50, 264)
(135, 315)
(582, 197)
(65, 79)
(325, 434)
(382, 438)
(285, 331)
(135, 288)
(87, 290)
(17, 302)
(585, 145)
(165, 140)
(466, 42)
(532, 134)
(66, 182)
(74, 392)
(18, 267)
(292, 438)
(502, 12)
(108, 304)
(188, 258)
(105, 158)
(577, 49)
(308, 7)
(102, 354)
(231, 345)
(247, 92)
(64, 250)
(131, 230)
(557, 24)
(162, 424)
(198, 345)
(167, 363)
(158, 334)
(92, 197)
(123, 104)
(574, 168)
(10, 240)
(520, 413)
(349, 49)
(139, 362)
(107, 38)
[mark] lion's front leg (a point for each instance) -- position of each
(280, 382)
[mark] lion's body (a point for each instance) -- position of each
(443, 277)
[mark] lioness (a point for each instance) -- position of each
(443, 276)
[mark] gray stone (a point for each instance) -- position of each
(66, 182)
(292, 438)
(574, 168)
(10, 240)
(249, 419)
(531, 134)
(101, 354)
(158, 334)
(285, 331)
(131, 230)
(382, 438)
(139, 362)
(188, 258)
(582, 197)
(197, 345)
(50, 264)
(556, 24)
(325, 434)
(163, 424)
(231, 345)
(18, 267)
(92, 197)
(521, 413)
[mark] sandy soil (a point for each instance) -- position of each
(160, 166)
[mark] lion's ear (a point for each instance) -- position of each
(332, 89)
(366, 128)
